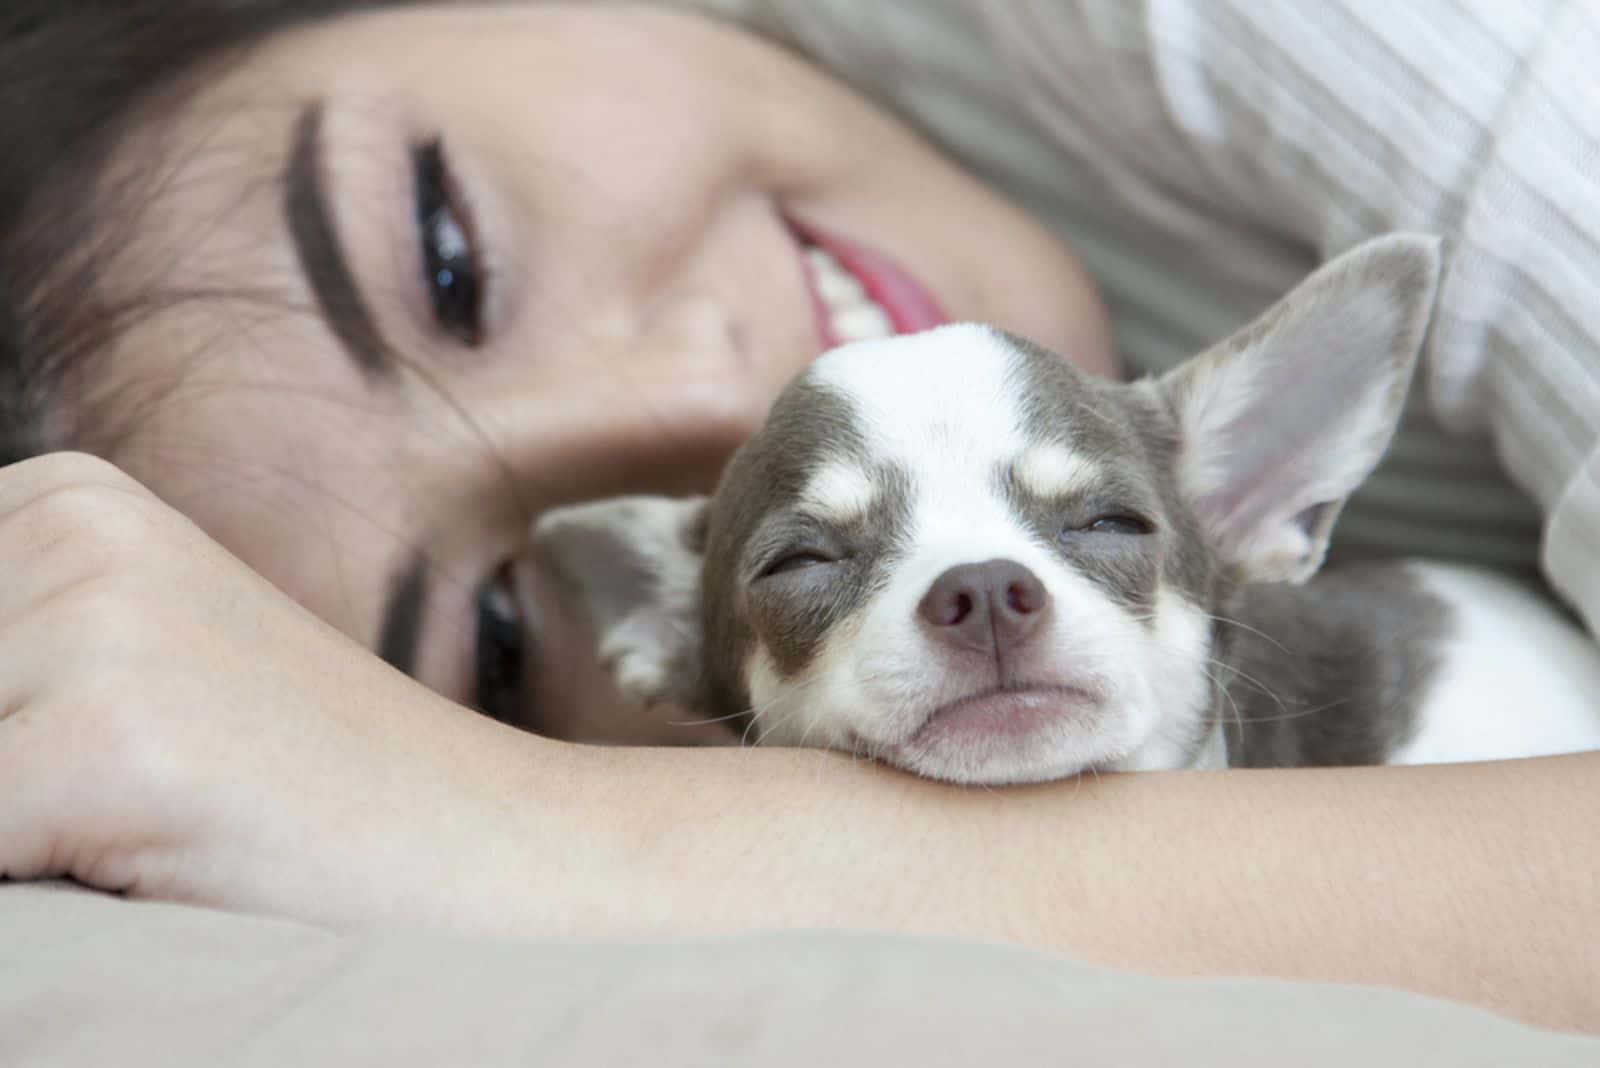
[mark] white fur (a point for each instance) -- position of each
(877, 678)
(1517, 679)
(1054, 470)
(839, 493)
(1179, 684)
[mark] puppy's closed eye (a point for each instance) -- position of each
(1116, 523)
(798, 560)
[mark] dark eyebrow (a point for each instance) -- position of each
(322, 258)
(402, 616)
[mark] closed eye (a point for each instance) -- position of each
(796, 561)
(1116, 524)
(451, 267)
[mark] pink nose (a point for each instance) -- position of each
(990, 607)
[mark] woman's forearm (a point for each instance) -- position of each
(173, 727)
(1474, 882)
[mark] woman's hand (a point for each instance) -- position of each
(173, 726)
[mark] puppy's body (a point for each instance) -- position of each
(1404, 663)
(1337, 671)
(955, 553)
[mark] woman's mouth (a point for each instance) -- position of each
(859, 293)
(847, 313)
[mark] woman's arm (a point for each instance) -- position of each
(1474, 882)
(172, 726)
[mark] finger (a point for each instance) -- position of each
(30, 808)
(24, 482)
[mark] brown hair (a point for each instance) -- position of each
(73, 76)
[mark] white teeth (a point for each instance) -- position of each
(861, 322)
(852, 315)
(837, 285)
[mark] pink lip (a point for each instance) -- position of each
(1002, 713)
(906, 301)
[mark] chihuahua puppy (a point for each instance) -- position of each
(954, 553)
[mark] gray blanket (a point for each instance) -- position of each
(92, 980)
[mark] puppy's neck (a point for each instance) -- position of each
(1213, 752)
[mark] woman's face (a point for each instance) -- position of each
(439, 269)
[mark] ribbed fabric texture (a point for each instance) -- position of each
(1203, 155)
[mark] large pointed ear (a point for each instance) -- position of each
(1283, 420)
(634, 564)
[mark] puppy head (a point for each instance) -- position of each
(953, 552)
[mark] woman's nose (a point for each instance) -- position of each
(690, 376)
(696, 348)
(656, 406)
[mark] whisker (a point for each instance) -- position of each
(1221, 688)
(1301, 714)
(1246, 627)
(787, 694)
(704, 722)
(1252, 680)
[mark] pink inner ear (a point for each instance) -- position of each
(1313, 520)
(1286, 418)
(1302, 436)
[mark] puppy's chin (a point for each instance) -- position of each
(1007, 736)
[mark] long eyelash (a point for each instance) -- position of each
(456, 277)
(500, 663)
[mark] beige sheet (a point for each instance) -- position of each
(91, 980)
